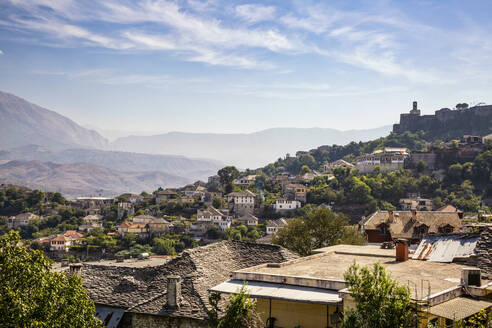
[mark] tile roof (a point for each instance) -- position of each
(143, 290)
(403, 223)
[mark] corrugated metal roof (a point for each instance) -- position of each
(459, 308)
(446, 248)
(110, 316)
(292, 293)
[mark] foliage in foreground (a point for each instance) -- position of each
(33, 296)
(240, 312)
(380, 301)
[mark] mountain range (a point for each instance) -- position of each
(50, 150)
(84, 179)
(250, 150)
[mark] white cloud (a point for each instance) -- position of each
(254, 13)
(1, 52)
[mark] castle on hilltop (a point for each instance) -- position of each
(447, 122)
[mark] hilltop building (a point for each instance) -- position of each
(389, 159)
(476, 120)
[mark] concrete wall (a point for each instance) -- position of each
(293, 314)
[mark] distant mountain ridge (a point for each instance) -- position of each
(22, 123)
(77, 179)
(250, 150)
(193, 169)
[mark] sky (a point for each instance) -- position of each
(243, 66)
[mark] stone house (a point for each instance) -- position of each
(165, 195)
(174, 294)
(241, 202)
(275, 225)
(245, 181)
(418, 204)
(125, 209)
(20, 220)
(248, 220)
(389, 159)
(329, 167)
(296, 192)
(410, 225)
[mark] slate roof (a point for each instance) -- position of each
(143, 289)
(484, 255)
(246, 193)
(403, 225)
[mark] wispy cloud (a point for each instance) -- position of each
(1, 52)
(209, 31)
(253, 13)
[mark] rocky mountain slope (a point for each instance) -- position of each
(77, 179)
(22, 123)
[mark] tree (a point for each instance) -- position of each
(227, 176)
(240, 312)
(217, 202)
(380, 301)
(421, 166)
(320, 227)
(326, 228)
(31, 295)
(305, 169)
(294, 236)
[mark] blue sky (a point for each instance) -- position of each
(243, 66)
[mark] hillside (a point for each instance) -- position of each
(250, 150)
(193, 169)
(22, 122)
(77, 179)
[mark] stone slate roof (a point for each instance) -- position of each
(143, 290)
(403, 226)
(484, 255)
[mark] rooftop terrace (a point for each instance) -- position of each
(334, 261)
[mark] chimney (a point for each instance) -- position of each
(471, 277)
(391, 216)
(401, 250)
(414, 105)
(75, 269)
(414, 215)
(173, 291)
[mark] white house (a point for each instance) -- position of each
(60, 243)
(283, 204)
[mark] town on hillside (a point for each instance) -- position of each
(289, 232)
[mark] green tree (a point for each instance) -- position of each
(227, 176)
(31, 295)
(217, 202)
(294, 236)
(240, 312)
(380, 301)
(305, 169)
(326, 228)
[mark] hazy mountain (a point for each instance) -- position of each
(193, 169)
(250, 150)
(78, 179)
(22, 123)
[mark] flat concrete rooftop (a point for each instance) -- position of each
(333, 262)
